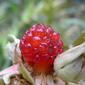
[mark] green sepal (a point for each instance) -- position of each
(25, 73)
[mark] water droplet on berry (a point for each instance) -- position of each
(29, 34)
(36, 38)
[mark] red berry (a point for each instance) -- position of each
(39, 45)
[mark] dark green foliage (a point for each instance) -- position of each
(80, 39)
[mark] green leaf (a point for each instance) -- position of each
(65, 47)
(80, 39)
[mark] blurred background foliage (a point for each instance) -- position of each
(16, 16)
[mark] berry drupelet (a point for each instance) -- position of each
(40, 45)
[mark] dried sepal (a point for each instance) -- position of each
(70, 83)
(40, 79)
(18, 80)
(7, 73)
(1, 81)
(17, 58)
(43, 79)
(82, 74)
(50, 80)
(13, 50)
(69, 64)
(26, 74)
